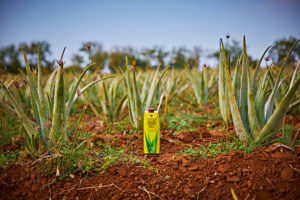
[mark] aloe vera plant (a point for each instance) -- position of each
(199, 82)
(174, 85)
(139, 101)
(202, 83)
(49, 105)
(254, 114)
(107, 97)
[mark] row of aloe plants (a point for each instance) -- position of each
(131, 91)
(51, 104)
(256, 112)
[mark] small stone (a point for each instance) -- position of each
(233, 179)
(239, 171)
(222, 168)
(194, 168)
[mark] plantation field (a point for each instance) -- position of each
(225, 133)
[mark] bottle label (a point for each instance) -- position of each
(151, 133)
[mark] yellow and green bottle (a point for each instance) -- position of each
(151, 132)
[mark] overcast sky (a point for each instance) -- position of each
(139, 23)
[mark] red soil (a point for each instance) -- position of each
(267, 173)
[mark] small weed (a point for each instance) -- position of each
(142, 162)
(211, 125)
(179, 122)
(213, 150)
(287, 135)
(177, 125)
(10, 126)
(8, 157)
(108, 156)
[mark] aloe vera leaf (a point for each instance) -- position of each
(132, 114)
(8, 109)
(260, 98)
(39, 111)
(294, 75)
(275, 89)
(27, 67)
(19, 110)
(212, 79)
(119, 106)
(131, 103)
(49, 103)
(236, 118)
(74, 91)
(154, 86)
(105, 92)
(253, 120)
(202, 88)
(90, 104)
(221, 84)
(82, 90)
(205, 85)
(161, 98)
(294, 105)
(257, 68)
(244, 91)
(49, 84)
(236, 84)
(151, 90)
(144, 89)
(194, 86)
(59, 105)
(36, 117)
(223, 94)
(269, 100)
(139, 106)
(111, 101)
(40, 88)
(277, 117)
(102, 98)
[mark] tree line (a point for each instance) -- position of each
(11, 60)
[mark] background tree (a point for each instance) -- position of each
(193, 60)
(179, 57)
(155, 56)
(280, 49)
(118, 55)
(77, 59)
(12, 60)
(161, 55)
(31, 53)
(9, 59)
